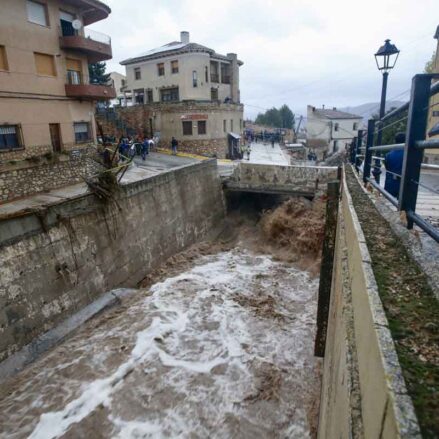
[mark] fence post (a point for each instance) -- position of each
(358, 149)
(368, 152)
(354, 151)
(416, 128)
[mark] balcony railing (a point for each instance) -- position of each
(96, 45)
(225, 79)
(214, 77)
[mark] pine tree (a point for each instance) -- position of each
(97, 73)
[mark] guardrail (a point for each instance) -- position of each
(414, 146)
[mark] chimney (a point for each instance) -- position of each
(323, 106)
(184, 37)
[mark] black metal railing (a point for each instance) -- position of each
(414, 146)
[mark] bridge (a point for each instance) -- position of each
(304, 181)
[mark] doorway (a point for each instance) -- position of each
(55, 136)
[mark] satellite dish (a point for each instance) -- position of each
(76, 24)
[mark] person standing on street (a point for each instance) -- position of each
(174, 144)
(272, 142)
(145, 148)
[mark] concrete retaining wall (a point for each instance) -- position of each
(363, 390)
(58, 261)
(302, 180)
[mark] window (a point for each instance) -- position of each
(336, 126)
(201, 127)
(81, 132)
(206, 74)
(66, 19)
(435, 113)
(335, 145)
(139, 96)
(187, 128)
(37, 13)
(214, 94)
(150, 95)
(161, 69)
(45, 64)
(240, 124)
(355, 127)
(225, 125)
(195, 78)
(9, 137)
(231, 125)
(137, 73)
(214, 75)
(74, 71)
(3, 59)
(169, 94)
(225, 73)
(174, 67)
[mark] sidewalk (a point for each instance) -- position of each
(268, 155)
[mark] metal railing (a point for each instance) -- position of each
(214, 77)
(414, 146)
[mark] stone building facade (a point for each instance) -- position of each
(188, 91)
(210, 122)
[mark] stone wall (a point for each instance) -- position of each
(57, 262)
(363, 391)
(39, 174)
(166, 119)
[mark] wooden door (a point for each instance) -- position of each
(55, 136)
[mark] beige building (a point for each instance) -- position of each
(119, 82)
(432, 155)
(46, 99)
(330, 130)
(192, 92)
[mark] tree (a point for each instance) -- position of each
(287, 116)
(277, 118)
(392, 126)
(429, 66)
(97, 73)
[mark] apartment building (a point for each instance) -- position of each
(330, 130)
(46, 98)
(192, 93)
(432, 155)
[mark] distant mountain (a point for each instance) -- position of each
(368, 110)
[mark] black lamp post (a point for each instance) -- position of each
(385, 58)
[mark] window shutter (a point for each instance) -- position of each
(36, 13)
(45, 64)
(3, 60)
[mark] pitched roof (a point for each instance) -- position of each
(335, 114)
(174, 48)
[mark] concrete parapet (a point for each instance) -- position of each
(363, 391)
(297, 180)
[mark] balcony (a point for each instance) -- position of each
(95, 45)
(214, 77)
(77, 87)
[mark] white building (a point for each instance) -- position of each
(118, 81)
(188, 91)
(330, 130)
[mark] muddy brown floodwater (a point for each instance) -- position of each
(221, 349)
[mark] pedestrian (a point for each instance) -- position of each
(151, 144)
(145, 148)
(393, 164)
(248, 152)
(174, 144)
(272, 142)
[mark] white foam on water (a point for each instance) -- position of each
(199, 357)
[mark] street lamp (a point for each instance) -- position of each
(385, 58)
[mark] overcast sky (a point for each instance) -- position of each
(296, 52)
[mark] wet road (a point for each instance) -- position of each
(222, 350)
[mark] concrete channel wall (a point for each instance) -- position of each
(363, 391)
(56, 261)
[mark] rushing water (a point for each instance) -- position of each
(222, 350)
